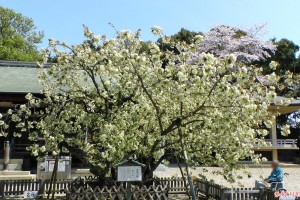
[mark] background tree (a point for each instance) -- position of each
(249, 49)
(285, 64)
(223, 40)
(285, 56)
(297, 65)
(183, 36)
(186, 36)
(18, 37)
(244, 44)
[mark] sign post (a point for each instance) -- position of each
(129, 171)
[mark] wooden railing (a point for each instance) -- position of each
(16, 188)
(59, 187)
(286, 142)
(281, 142)
(175, 185)
(209, 189)
(214, 191)
(70, 189)
(242, 194)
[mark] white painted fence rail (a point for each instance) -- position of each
(281, 142)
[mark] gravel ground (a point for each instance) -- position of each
(292, 182)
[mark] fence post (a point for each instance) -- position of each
(222, 195)
(196, 187)
(2, 184)
(68, 195)
(261, 193)
(41, 184)
(206, 189)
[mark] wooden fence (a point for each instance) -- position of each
(243, 194)
(58, 188)
(87, 188)
(175, 185)
(119, 193)
(16, 188)
(218, 192)
(209, 189)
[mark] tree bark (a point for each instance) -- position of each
(185, 158)
(53, 177)
(183, 177)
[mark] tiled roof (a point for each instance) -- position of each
(19, 77)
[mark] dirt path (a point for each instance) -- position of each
(292, 182)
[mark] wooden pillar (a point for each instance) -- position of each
(275, 154)
(273, 135)
(6, 155)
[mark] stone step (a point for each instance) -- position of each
(80, 172)
(18, 177)
(161, 168)
(19, 173)
(13, 161)
(11, 167)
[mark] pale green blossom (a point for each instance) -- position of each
(285, 130)
(156, 30)
(273, 65)
(122, 97)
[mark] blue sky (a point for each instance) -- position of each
(63, 19)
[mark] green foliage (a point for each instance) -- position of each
(18, 38)
(285, 55)
(287, 66)
(183, 36)
(239, 34)
(186, 36)
(296, 66)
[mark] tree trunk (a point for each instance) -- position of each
(185, 158)
(53, 178)
(183, 177)
(81, 155)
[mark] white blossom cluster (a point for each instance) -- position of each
(223, 40)
(115, 98)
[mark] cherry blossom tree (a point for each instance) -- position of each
(243, 43)
(112, 99)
